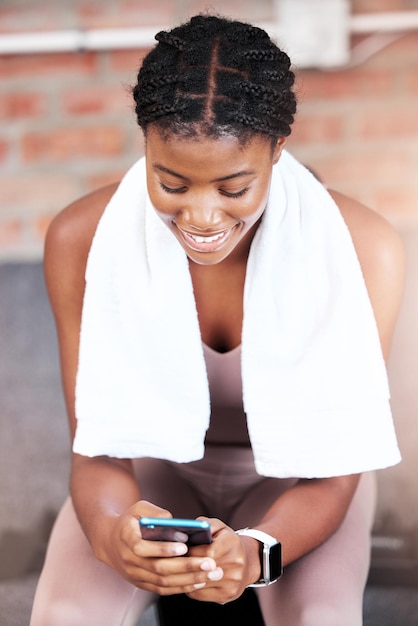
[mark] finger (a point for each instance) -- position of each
(215, 524)
(159, 549)
(162, 585)
(181, 565)
(143, 508)
(179, 583)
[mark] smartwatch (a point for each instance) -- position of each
(270, 556)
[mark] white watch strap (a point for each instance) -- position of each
(259, 535)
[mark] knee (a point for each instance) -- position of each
(58, 613)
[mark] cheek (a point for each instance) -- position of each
(252, 211)
(162, 203)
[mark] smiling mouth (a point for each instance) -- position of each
(200, 239)
(202, 243)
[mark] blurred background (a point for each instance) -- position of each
(67, 126)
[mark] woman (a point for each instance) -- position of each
(219, 242)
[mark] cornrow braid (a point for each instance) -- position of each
(216, 76)
(171, 40)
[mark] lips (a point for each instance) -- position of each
(205, 243)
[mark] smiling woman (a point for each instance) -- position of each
(222, 322)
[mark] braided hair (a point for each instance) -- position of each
(217, 77)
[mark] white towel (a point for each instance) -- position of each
(314, 380)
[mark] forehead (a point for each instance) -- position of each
(200, 150)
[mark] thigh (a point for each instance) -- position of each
(325, 588)
(219, 485)
(75, 589)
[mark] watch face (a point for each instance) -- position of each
(275, 562)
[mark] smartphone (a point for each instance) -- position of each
(167, 529)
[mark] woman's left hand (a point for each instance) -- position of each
(237, 562)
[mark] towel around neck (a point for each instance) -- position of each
(315, 388)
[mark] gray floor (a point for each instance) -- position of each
(34, 454)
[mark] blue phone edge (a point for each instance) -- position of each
(169, 522)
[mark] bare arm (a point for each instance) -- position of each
(105, 494)
(381, 256)
(66, 249)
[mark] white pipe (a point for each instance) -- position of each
(77, 40)
(394, 22)
(143, 37)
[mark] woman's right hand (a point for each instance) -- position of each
(124, 549)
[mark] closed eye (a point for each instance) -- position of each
(172, 189)
(236, 194)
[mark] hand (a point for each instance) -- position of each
(236, 557)
(151, 565)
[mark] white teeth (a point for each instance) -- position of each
(199, 239)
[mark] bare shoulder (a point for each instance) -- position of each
(381, 254)
(67, 246)
(371, 233)
(378, 245)
(69, 237)
(72, 230)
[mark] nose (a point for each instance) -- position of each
(202, 212)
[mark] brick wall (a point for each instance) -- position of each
(67, 125)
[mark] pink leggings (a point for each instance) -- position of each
(325, 588)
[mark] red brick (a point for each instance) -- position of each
(93, 15)
(97, 99)
(19, 105)
(401, 121)
(40, 225)
(377, 6)
(126, 60)
(341, 85)
(103, 179)
(398, 204)
(29, 192)
(4, 149)
(318, 128)
(36, 65)
(136, 141)
(371, 167)
(64, 144)
(16, 19)
(149, 12)
(129, 13)
(10, 232)
(246, 10)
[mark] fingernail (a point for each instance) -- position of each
(215, 574)
(179, 549)
(207, 565)
(199, 585)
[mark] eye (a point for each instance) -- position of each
(172, 189)
(236, 194)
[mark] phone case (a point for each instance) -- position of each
(165, 529)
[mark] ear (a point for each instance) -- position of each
(277, 151)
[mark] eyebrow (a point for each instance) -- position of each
(166, 170)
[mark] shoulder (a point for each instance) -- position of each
(377, 243)
(68, 242)
(381, 255)
(367, 227)
(73, 228)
